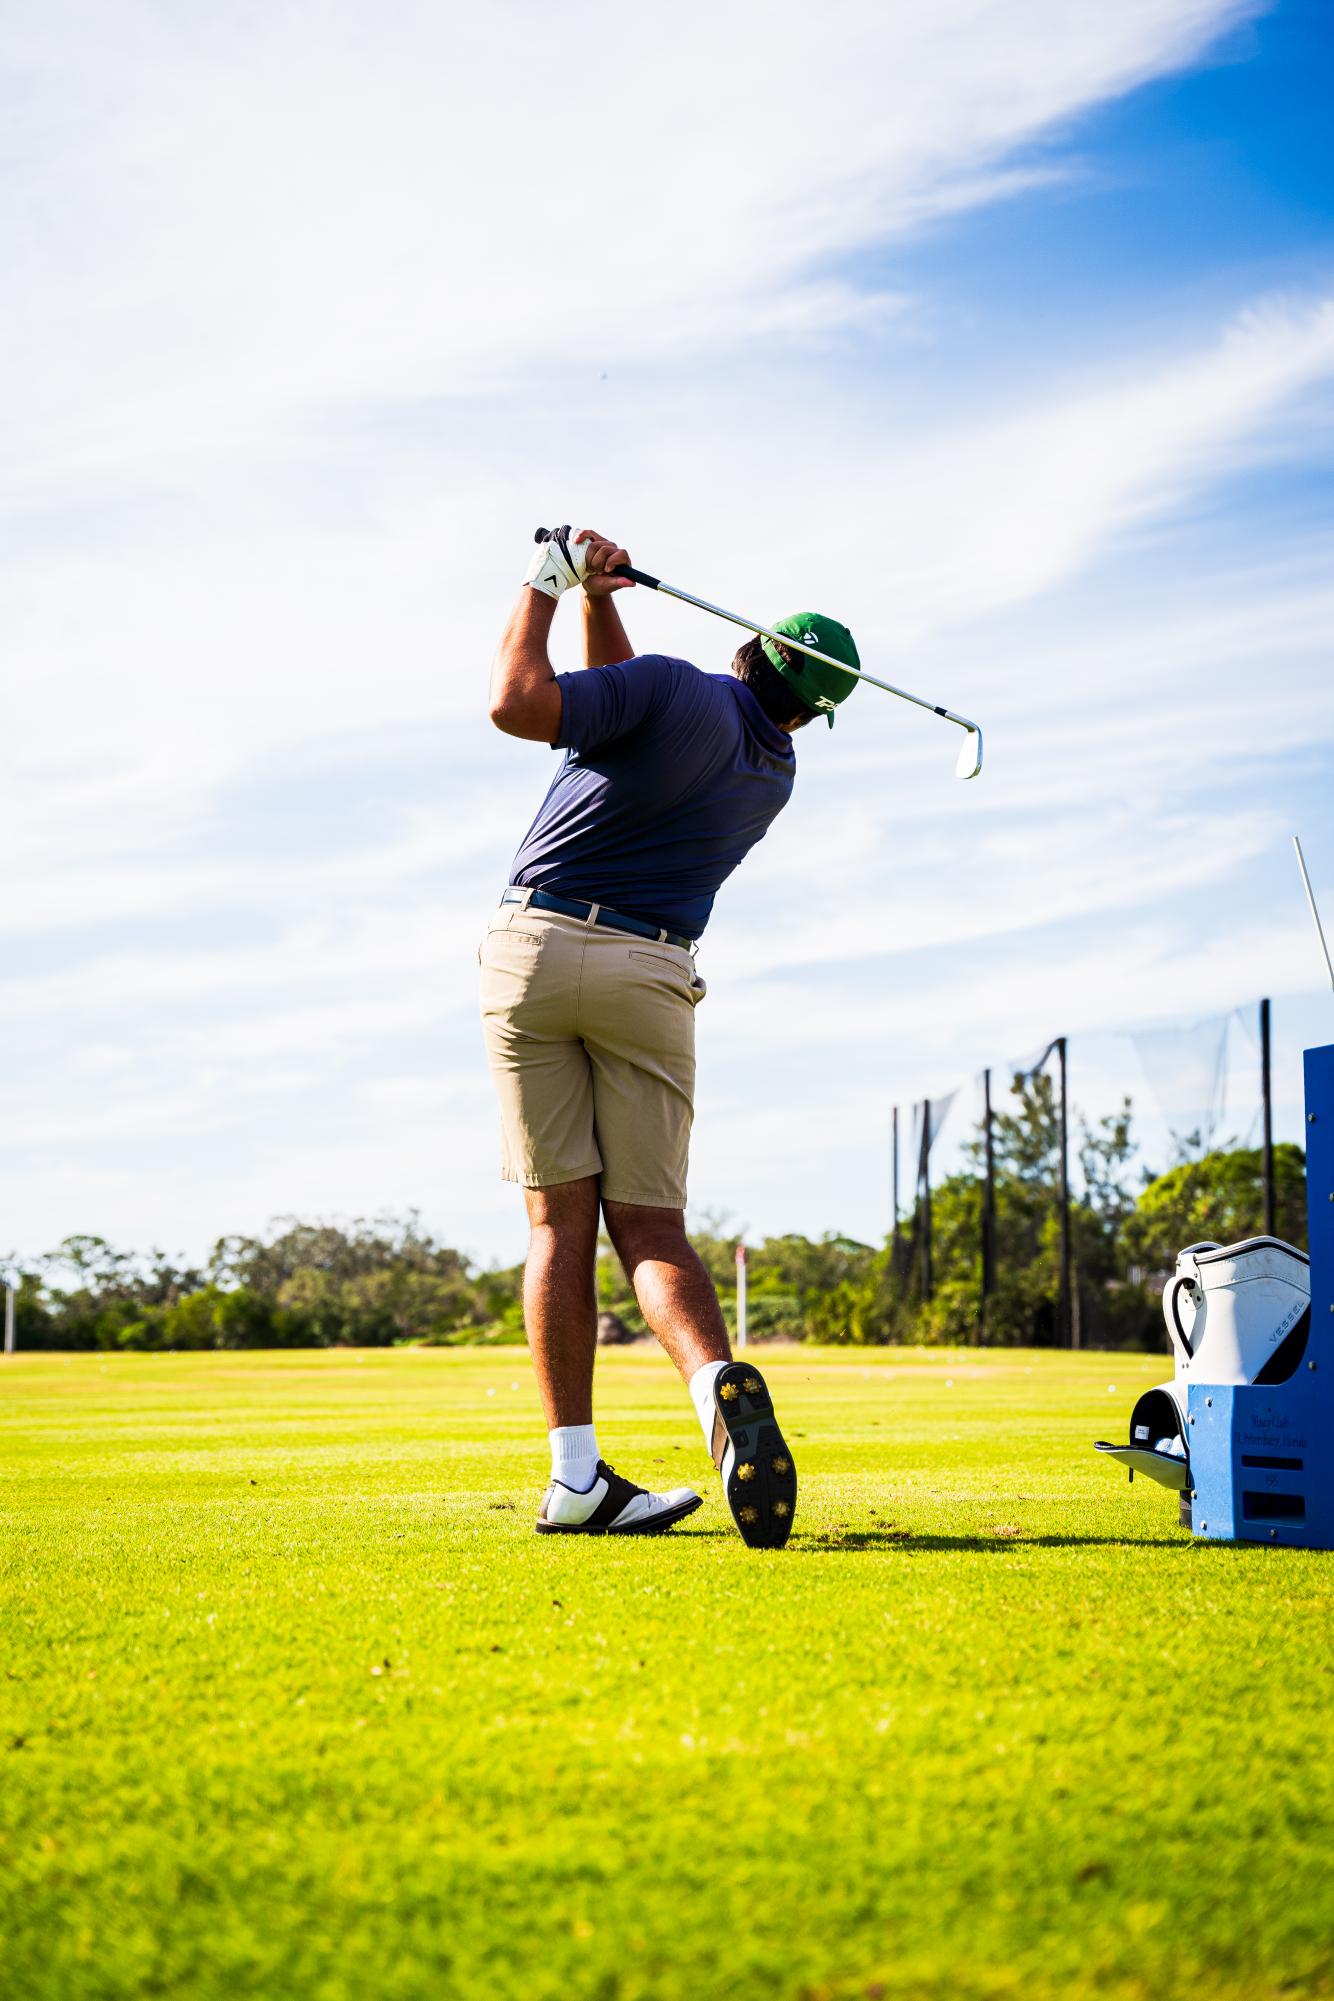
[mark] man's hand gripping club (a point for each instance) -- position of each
(525, 700)
(563, 560)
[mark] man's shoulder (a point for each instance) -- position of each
(697, 680)
(668, 664)
(727, 695)
(681, 681)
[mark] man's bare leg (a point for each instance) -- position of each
(560, 1313)
(736, 1414)
(674, 1291)
(560, 1297)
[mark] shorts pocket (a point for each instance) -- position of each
(510, 942)
(662, 962)
(679, 974)
(511, 961)
(516, 931)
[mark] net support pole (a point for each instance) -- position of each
(1065, 1331)
(10, 1297)
(894, 1240)
(1267, 1100)
(988, 1199)
(928, 1284)
(741, 1295)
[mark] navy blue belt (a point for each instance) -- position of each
(610, 920)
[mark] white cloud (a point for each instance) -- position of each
(262, 215)
(321, 642)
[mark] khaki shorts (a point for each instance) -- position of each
(590, 1034)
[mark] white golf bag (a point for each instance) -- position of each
(1235, 1313)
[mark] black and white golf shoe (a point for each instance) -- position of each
(758, 1474)
(613, 1506)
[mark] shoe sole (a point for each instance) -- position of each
(763, 1499)
(657, 1525)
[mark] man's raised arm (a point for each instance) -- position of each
(605, 641)
(525, 700)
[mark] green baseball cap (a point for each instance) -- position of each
(818, 685)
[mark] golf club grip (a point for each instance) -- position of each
(621, 570)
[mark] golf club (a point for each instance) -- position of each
(969, 761)
(1315, 914)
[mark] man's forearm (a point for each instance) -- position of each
(605, 641)
(524, 699)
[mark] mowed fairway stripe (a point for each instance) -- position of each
(295, 1703)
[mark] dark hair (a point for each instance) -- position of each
(781, 703)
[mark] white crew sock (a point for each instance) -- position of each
(701, 1395)
(574, 1456)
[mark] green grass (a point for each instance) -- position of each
(296, 1705)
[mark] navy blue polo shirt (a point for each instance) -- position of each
(670, 776)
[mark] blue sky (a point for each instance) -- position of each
(1013, 346)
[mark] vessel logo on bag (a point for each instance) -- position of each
(1286, 1326)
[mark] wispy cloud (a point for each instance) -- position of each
(263, 214)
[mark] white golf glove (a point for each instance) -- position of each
(557, 564)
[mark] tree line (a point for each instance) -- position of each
(380, 1282)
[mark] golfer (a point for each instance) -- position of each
(589, 989)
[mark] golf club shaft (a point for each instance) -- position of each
(796, 645)
(1315, 914)
(969, 762)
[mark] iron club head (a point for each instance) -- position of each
(969, 761)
